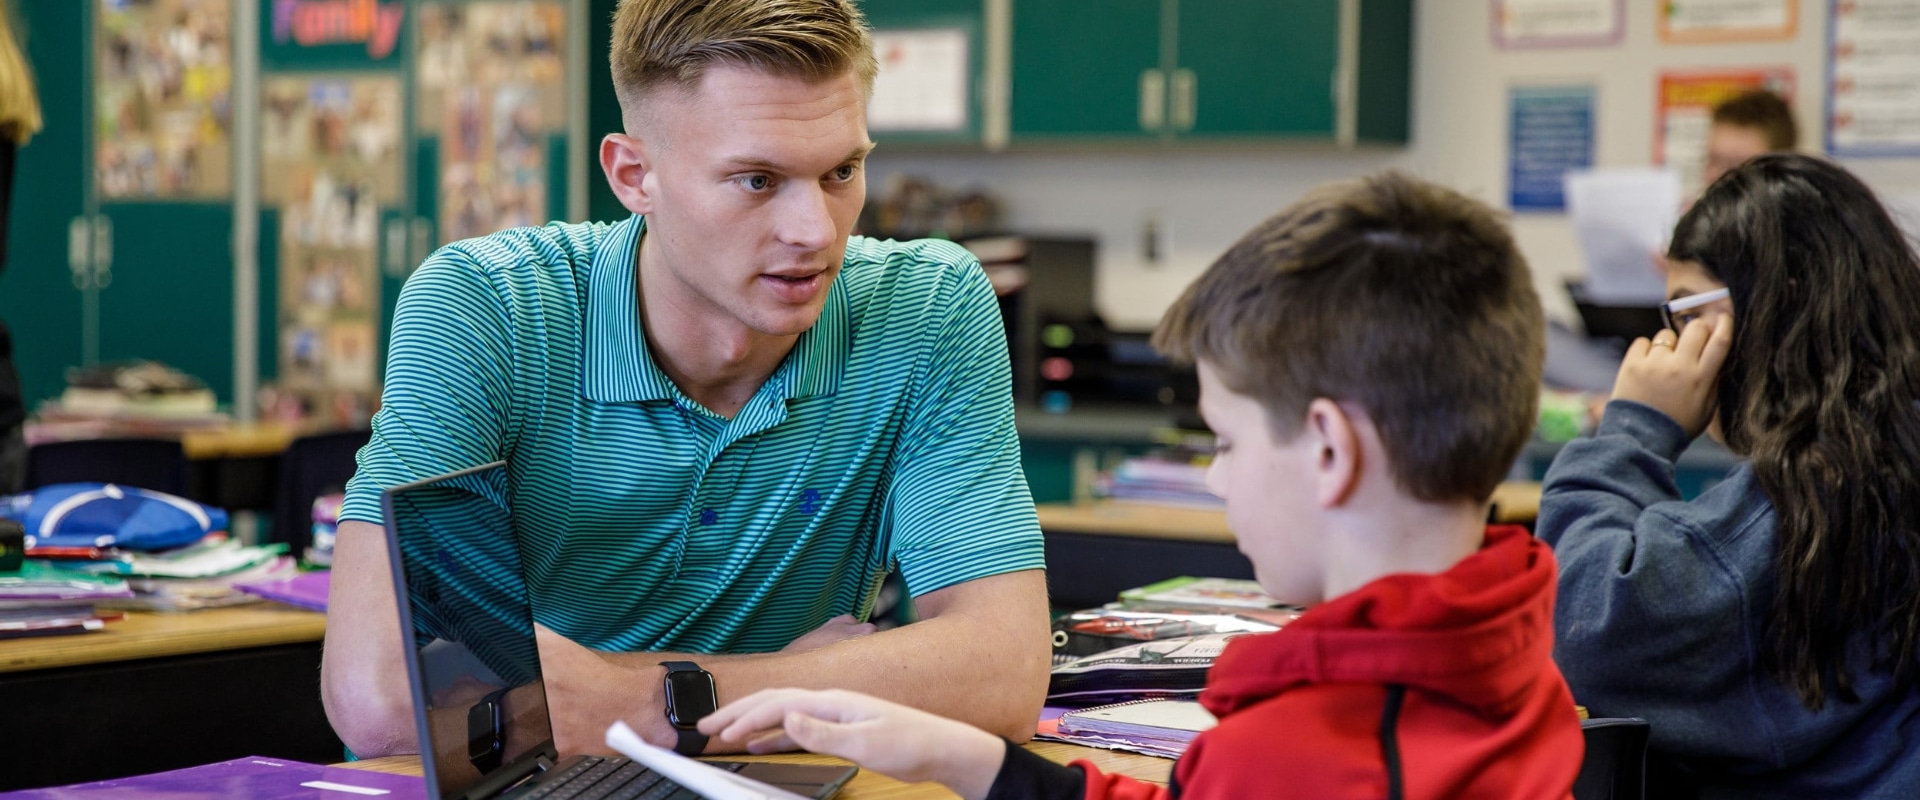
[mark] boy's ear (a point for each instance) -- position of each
(628, 164)
(1337, 455)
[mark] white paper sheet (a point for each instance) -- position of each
(707, 781)
(1624, 218)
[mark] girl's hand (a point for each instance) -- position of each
(1677, 375)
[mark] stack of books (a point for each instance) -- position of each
(39, 601)
(1167, 479)
(200, 575)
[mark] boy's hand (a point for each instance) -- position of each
(894, 740)
(1677, 377)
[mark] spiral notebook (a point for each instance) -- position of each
(1153, 727)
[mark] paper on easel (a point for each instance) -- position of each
(1624, 218)
(701, 779)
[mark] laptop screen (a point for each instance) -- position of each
(464, 605)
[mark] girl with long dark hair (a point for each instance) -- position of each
(1768, 630)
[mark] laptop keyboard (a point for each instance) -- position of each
(595, 778)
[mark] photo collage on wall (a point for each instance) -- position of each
(330, 147)
(491, 80)
(163, 99)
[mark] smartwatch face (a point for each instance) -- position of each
(689, 697)
(483, 730)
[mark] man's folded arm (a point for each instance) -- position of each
(979, 654)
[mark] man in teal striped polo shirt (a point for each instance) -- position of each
(724, 419)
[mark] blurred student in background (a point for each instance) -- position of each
(1769, 629)
(19, 121)
(1751, 124)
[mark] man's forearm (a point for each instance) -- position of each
(363, 676)
(984, 665)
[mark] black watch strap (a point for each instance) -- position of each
(691, 741)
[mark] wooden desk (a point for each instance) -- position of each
(873, 786)
(243, 440)
(144, 635)
(1096, 550)
(156, 692)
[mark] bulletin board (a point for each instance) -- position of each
(163, 73)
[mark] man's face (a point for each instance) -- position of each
(1268, 486)
(754, 184)
(1729, 146)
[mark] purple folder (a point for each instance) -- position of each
(307, 590)
(251, 778)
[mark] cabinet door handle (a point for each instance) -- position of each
(80, 251)
(1153, 100)
(102, 251)
(421, 246)
(1186, 89)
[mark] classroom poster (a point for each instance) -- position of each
(1873, 78)
(491, 81)
(344, 124)
(1684, 113)
(922, 83)
(1558, 23)
(330, 158)
(163, 110)
(1550, 134)
(1696, 21)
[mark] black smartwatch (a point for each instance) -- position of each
(487, 732)
(690, 697)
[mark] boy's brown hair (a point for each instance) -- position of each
(672, 42)
(1763, 111)
(1404, 298)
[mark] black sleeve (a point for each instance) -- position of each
(1025, 776)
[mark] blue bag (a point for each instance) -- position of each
(109, 515)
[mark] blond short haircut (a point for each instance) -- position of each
(672, 42)
(19, 107)
(1402, 297)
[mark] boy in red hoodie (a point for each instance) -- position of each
(1370, 361)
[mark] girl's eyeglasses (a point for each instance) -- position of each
(1677, 313)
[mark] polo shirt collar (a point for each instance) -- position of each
(619, 367)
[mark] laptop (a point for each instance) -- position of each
(456, 560)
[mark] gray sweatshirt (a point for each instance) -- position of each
(1659, 616)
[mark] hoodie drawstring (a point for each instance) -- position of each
(1390, 740)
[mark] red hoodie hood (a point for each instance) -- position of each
(1480, 633)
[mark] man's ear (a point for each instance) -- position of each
(1337, 455)
(628, 163)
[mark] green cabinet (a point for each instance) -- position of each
(1255, 68)
(90, 276)
(1087, 69)
(1210, 70)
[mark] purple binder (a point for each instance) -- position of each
(308, 590)
(251, 778)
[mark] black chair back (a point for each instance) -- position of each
(157, 464)
(311, 466)
(1615, 767)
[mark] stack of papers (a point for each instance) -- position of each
(200, 575)
(40, 601)
(1174, 668)
(1191, 592)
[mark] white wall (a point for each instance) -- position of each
(1204, 199)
